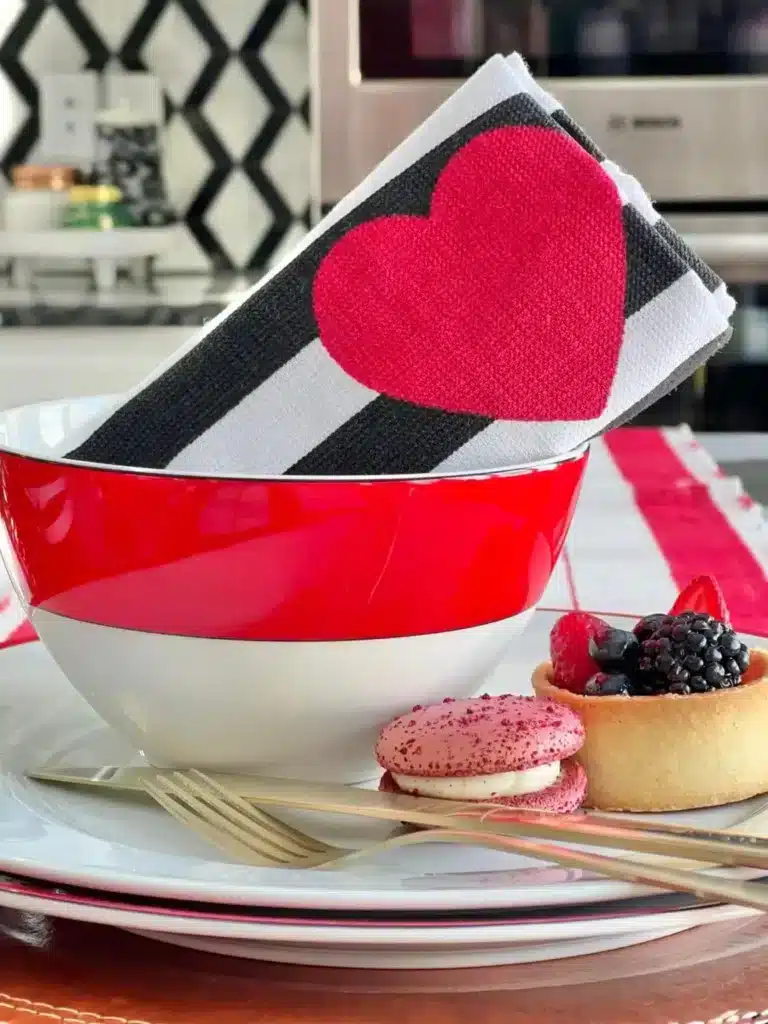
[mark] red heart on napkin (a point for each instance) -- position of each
(507, 301)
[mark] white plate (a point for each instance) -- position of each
(412, 958)
(127, 845)
(252, 935)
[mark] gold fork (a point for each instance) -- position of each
(229, 822)
(244, 832)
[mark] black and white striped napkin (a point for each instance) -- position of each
(496, 291)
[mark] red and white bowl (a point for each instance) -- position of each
(271, 624)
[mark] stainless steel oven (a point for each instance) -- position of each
(674, 90)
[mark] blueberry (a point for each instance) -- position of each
(615, 685)
(693, 663)
(592, 689)
(698, 684)
(615, 649)
(712, 655)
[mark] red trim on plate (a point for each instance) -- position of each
(693, 534)
(154, 907)
(284, 559)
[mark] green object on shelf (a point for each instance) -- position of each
(96, 208)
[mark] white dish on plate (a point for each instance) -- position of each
(101, 841)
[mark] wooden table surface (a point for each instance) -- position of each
(68, 973)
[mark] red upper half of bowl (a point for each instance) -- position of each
(282, 558)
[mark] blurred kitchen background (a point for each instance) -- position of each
(158, 155)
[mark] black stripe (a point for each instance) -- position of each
(578, 134)
(684, 251)
(270, 328)
(652, 265)
(390, 436)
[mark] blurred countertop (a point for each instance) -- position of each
(166, 301)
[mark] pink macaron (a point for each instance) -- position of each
(511, 750)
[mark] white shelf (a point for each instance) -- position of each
(82, 243)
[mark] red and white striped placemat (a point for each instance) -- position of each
(655, 511)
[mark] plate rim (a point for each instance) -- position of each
(339, 935)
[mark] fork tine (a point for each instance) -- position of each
(218, 838)
(251, 834)
(204, 783)
(254, 846)
(247, 819)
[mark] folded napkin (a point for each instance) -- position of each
(495, 291)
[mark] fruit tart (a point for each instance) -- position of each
(675, 710)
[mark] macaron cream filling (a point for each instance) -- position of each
(481, 787)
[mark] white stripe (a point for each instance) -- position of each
(616, 563)
(558, 592)
(631, 191)
(507, 443)
(748, 521)
(527, 83)
(274, 426)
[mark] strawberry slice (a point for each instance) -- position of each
(569, 648)
(702, 594)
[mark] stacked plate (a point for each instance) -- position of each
(118, 860)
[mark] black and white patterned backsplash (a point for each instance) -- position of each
(235, 79)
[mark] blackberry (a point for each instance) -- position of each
(646, 627)
(689, 653)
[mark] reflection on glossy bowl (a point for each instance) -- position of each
(270, 624)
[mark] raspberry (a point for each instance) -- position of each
(569, 647)
(704, 595)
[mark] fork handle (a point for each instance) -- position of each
(705, 887)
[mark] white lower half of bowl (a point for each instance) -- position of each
(290, 709)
